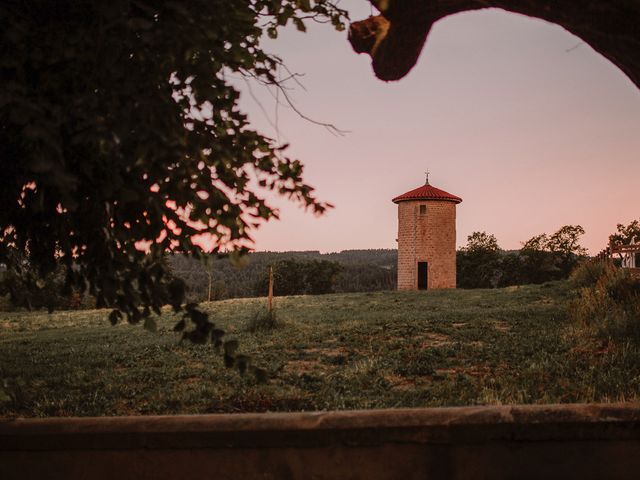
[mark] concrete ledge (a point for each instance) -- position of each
(556, 441)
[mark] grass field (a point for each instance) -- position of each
(370, 350)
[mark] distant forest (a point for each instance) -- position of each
(480, 264)
(295, 273)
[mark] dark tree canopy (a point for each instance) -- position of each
(625, 234)
(478, 263)
(119, 124)
(481, 242)
(482, 264)
(552, 257)
(395, 38)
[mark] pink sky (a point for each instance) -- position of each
(532, 133)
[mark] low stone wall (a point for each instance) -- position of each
(524, 442)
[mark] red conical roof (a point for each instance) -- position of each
(427, 192)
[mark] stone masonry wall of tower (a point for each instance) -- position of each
(429, 237)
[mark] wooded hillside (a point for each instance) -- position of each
(351, 271)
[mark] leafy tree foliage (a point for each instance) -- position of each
(482, 264)
(481, 242)
(551, 257)
(478, 262)
(119, 127)
(565, 245)
(48, 293)
(538, 261)
(625, 233)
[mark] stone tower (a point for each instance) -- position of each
(426, 238)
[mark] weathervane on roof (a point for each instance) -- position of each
(427, 174)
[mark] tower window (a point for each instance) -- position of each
(423, 209)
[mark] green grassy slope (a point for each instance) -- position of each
(373, 350)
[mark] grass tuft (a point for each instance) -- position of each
(608, 301)
(263, 320)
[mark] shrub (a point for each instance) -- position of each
(611, 305)
(263, 320)
(587, 273)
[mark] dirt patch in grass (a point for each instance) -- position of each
(334, 352)
(481, 371)
(191, 380)
(326, 352)
(123, 407)
(594, 349)
(545, 301)
(478, 371)
(500, 326)
(398, 382)
(299, 367)
(434, 340)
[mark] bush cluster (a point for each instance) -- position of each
(542, 258)
(588, 272)
(263, 320)
(607, 299)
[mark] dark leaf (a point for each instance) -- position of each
(198, 317)
(230, 347)
(115, 316)
(260, 374)
(243, 362)
(197, 337)
(176, 291)
(216, 334)
(189, 307)
(229, 361)
(134, 316)
(150, 324)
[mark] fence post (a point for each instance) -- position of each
(270, 288)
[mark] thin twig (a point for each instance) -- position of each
(277, 83)
(330, 127)
(264, 111)
(574, 47)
